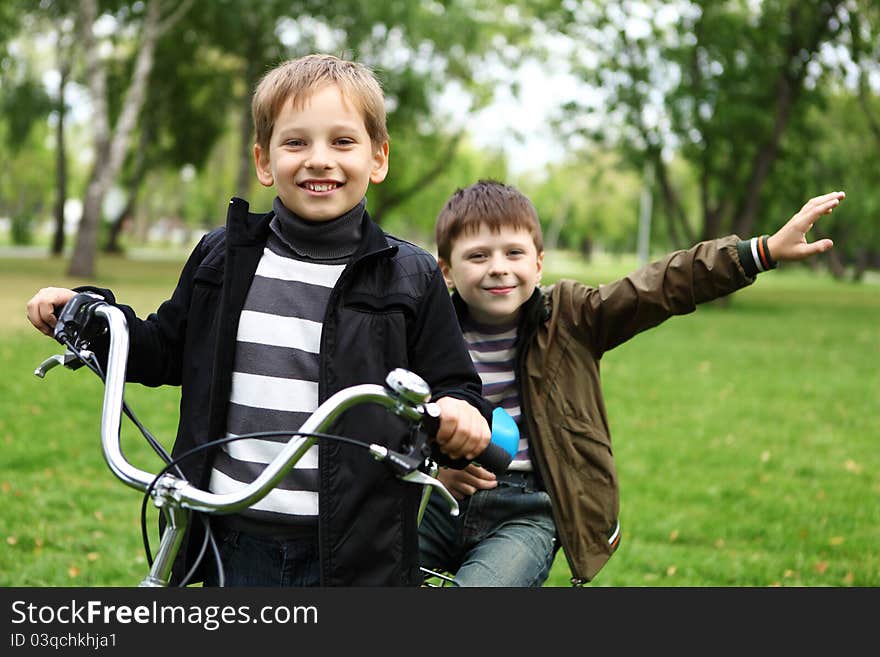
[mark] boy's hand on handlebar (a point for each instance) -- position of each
(41, 307)
(464, 432)
(466, 482)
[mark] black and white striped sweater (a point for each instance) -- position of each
(277, 357)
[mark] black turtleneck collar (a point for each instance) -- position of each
(319, 240)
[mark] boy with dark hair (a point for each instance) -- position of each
(537, 351)
(277, 311)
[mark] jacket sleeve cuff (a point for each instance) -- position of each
(754, 255)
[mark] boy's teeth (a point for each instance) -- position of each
(322, 187)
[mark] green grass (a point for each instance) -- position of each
(745, 438)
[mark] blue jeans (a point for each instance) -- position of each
(250, 560)
(502, 537)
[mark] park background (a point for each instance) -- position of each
(745, 435)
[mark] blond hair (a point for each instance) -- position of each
(485, 203)
(297, 79)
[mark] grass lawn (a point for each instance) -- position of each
(745, 437)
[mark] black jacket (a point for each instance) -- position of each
(390, 308)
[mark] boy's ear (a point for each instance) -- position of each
(263, 166)
(447, 272)
(380, 164)
(540, 268)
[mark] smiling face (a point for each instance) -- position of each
(494, 272)
(320, 157)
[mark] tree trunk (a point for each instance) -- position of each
(711, 223)
(861, 265)
(557, 223)
(113, 245)
(835, 265)
(789, 85)
(111, 145)
(245, 178)
(744, 222)
(676, 220)
(133, 188)
(587, 248)
(60, 151)
(442, 162)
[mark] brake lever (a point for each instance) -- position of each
(401, 464)
(419, 477)
(406, 469)
(69, 359)
(415, 451)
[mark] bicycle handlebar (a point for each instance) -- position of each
(404, 394)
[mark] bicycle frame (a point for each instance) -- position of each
(405, 394)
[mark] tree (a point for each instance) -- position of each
(111, 143)
(585, 201)
(186, 113)
(419, 196)
(863, 23)
(835, 155)
(24, 195)
(65, 47)
(716, 82)
(24, 106)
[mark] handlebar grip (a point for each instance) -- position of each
(503, 445)
(495, 459)
(74, 317)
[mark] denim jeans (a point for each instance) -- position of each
(502, 537)
(250, 560)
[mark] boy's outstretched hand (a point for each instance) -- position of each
(463, 432)
(790, 241)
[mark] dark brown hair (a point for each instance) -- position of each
(485, 203)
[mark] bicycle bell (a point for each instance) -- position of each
(408, 385)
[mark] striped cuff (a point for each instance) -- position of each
(754, 255)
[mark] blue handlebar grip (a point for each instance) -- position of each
(504, 443)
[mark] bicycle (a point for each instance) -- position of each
(87, 316)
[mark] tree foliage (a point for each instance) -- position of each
(208, 64)
(722, 84)
(588, 201)
(742, 109)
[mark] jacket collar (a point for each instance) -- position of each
(245, 228)
(374, 241)
(535, 311)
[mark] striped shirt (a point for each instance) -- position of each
(275, 376)
(493, 351)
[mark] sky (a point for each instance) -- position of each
(520, 125)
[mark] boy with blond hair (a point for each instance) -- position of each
(537, 351)
(279, 310)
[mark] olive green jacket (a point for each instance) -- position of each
(565, 329)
